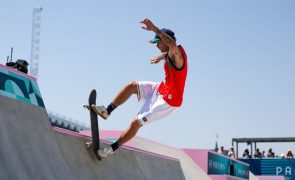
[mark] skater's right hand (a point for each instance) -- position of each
(156, 59)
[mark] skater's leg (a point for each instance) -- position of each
(125, 93)
(120, 98)
(127, 135)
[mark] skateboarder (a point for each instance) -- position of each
(160, 99)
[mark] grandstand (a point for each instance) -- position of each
(264, 168)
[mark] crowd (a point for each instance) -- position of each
(230, 153)
(270, 154)
(257, 154)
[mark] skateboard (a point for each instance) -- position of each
(94, 125)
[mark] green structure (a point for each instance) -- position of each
(19, 86)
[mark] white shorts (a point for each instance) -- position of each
(154, 107)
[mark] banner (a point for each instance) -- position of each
(220, 165)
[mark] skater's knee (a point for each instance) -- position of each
(132, 87)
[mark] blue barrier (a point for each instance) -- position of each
(275, 166)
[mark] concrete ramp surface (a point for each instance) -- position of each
(32, 150)
(28, 146)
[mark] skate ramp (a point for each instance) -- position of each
(125, 163)
(32, 150)
(28, 146)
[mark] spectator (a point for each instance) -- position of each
(231, 153)
(289, 154)
(257, 153)
(222, 151)
(246, 154)
(270, 154)
(263, 154)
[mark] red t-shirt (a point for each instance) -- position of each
(173, 87)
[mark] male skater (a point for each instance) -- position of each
(160, 99)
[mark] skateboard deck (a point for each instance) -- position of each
(94, 125)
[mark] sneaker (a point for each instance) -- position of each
(105, 152)
(101, 111)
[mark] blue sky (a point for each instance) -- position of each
(241, 63)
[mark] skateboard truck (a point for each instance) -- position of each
(86, 106)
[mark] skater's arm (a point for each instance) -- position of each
(177, 57)
(149, 25)
(157, 59)
(169, 41)
(174, 52)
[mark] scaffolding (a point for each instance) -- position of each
(35, 47)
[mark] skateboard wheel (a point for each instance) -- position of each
(88, 145)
